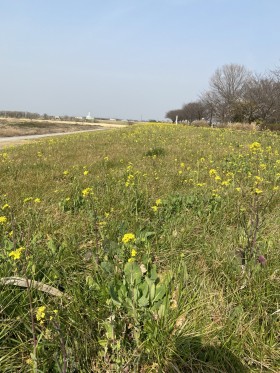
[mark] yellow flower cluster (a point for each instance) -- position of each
(132, 256)
(130, 180)
(3, 220)
(213, 172)
(27, 199)
(255, 147)
(258, 191)
(158, 203)
(86, 192)
(40, 314)
(16, 254)
(128, 237)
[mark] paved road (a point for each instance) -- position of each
(16, 140)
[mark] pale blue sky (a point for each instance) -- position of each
(127, 58)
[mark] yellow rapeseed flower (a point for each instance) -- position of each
(258, 191)
(6, 206)
(37, 200)
(40, 314)
(16, 254)
(3, 220)
(154, 208)
(28, 199)
(86, 192)
(128, 237)
(86, 172)
(212, 172)
(158, 202)
(255, 147)
(226, 182)
(133, 253)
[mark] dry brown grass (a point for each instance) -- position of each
(239, 126)
(243, 126)
(10, 127)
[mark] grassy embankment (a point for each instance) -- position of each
(153, 234)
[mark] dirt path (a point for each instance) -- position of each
(20, 140)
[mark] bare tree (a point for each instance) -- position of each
(263, 96)
(172, 114)
(193, 111)
(211, 105)
(227, 87)
(236, 95)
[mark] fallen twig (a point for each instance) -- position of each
(23, 282)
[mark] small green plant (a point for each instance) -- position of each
(157, 151)
(139, 299)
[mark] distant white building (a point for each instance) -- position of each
(88, 116)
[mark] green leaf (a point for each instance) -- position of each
(152, 292)
(160, 293)
(157, 305)
(144, 288)
(162, 310)
(135, 294)
(153, 275)
(122, 293)
(133, 273)
(51, 246)
(110, 330)
(143, 301)
(107, 267)
(103, 342)
(114, 296)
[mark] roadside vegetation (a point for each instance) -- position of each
(153, 248)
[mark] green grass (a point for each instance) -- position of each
(185, 294)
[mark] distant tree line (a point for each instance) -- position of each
(235, 94)
(29, 115)
(19, 114)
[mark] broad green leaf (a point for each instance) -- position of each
(153, 275)
(132, 273)
(160, 293)
(107, 267)
(114, 296)
(143, 301)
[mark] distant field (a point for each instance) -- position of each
(10, 127)
(150, 248)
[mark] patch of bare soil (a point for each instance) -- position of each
(11, 129)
